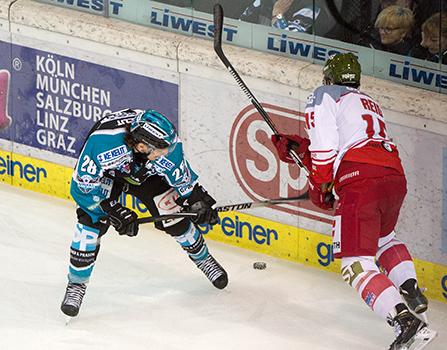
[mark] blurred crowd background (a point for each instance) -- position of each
(416, 28)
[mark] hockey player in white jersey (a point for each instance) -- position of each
(137, 152)
(349, 152)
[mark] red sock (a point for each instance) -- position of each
(396, 262)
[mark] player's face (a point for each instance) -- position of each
(152, 153)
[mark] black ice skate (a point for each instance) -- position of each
(73, 298)
(413, 296)
(411, 332)
(213, 271)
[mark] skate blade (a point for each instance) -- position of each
(422, 338)
(423, 317)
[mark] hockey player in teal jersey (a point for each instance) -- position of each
(137, 152)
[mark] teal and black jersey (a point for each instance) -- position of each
(173, 167)
(105, 156)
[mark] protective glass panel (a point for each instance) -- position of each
(400, 40)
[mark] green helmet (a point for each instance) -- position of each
(342, 69)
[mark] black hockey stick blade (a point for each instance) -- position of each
(225, 208)
(166, 217)
(218, 28)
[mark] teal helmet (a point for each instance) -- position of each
(153, 129)
(342, 69)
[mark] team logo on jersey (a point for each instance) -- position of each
(387, 146)
(125, 168)
(310, 99)
(86, 183)
(256, 164)
(165, 202)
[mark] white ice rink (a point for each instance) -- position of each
(146, 294)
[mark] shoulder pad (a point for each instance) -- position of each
(333, 91)
(117, 119)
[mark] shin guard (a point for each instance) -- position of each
(396, 262)
(193, 243)
(83, 252)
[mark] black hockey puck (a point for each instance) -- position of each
(259, 265)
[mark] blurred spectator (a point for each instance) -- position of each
(364, 16)
(232, 8)
(354, 17)
(259, 12)
(433, 46)
(297, 16)
(393, 31)
(307, 16)
(281, 7)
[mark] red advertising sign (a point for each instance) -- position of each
(257, 167)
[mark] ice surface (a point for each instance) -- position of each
(146, 294)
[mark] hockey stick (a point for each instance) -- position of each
(266, 203)
(218, 27)
(225, 208)
(166, 217)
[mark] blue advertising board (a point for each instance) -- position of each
(54, 100)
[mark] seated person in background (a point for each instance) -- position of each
(306, 16)
(280, 8)
(364, 18)
(258, 12)
(433, 46)
(393, 29)
(232, 8)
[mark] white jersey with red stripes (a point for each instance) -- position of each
(340, 119)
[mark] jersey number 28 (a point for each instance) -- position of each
(88, 165)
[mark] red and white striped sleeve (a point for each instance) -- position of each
(321, 127)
